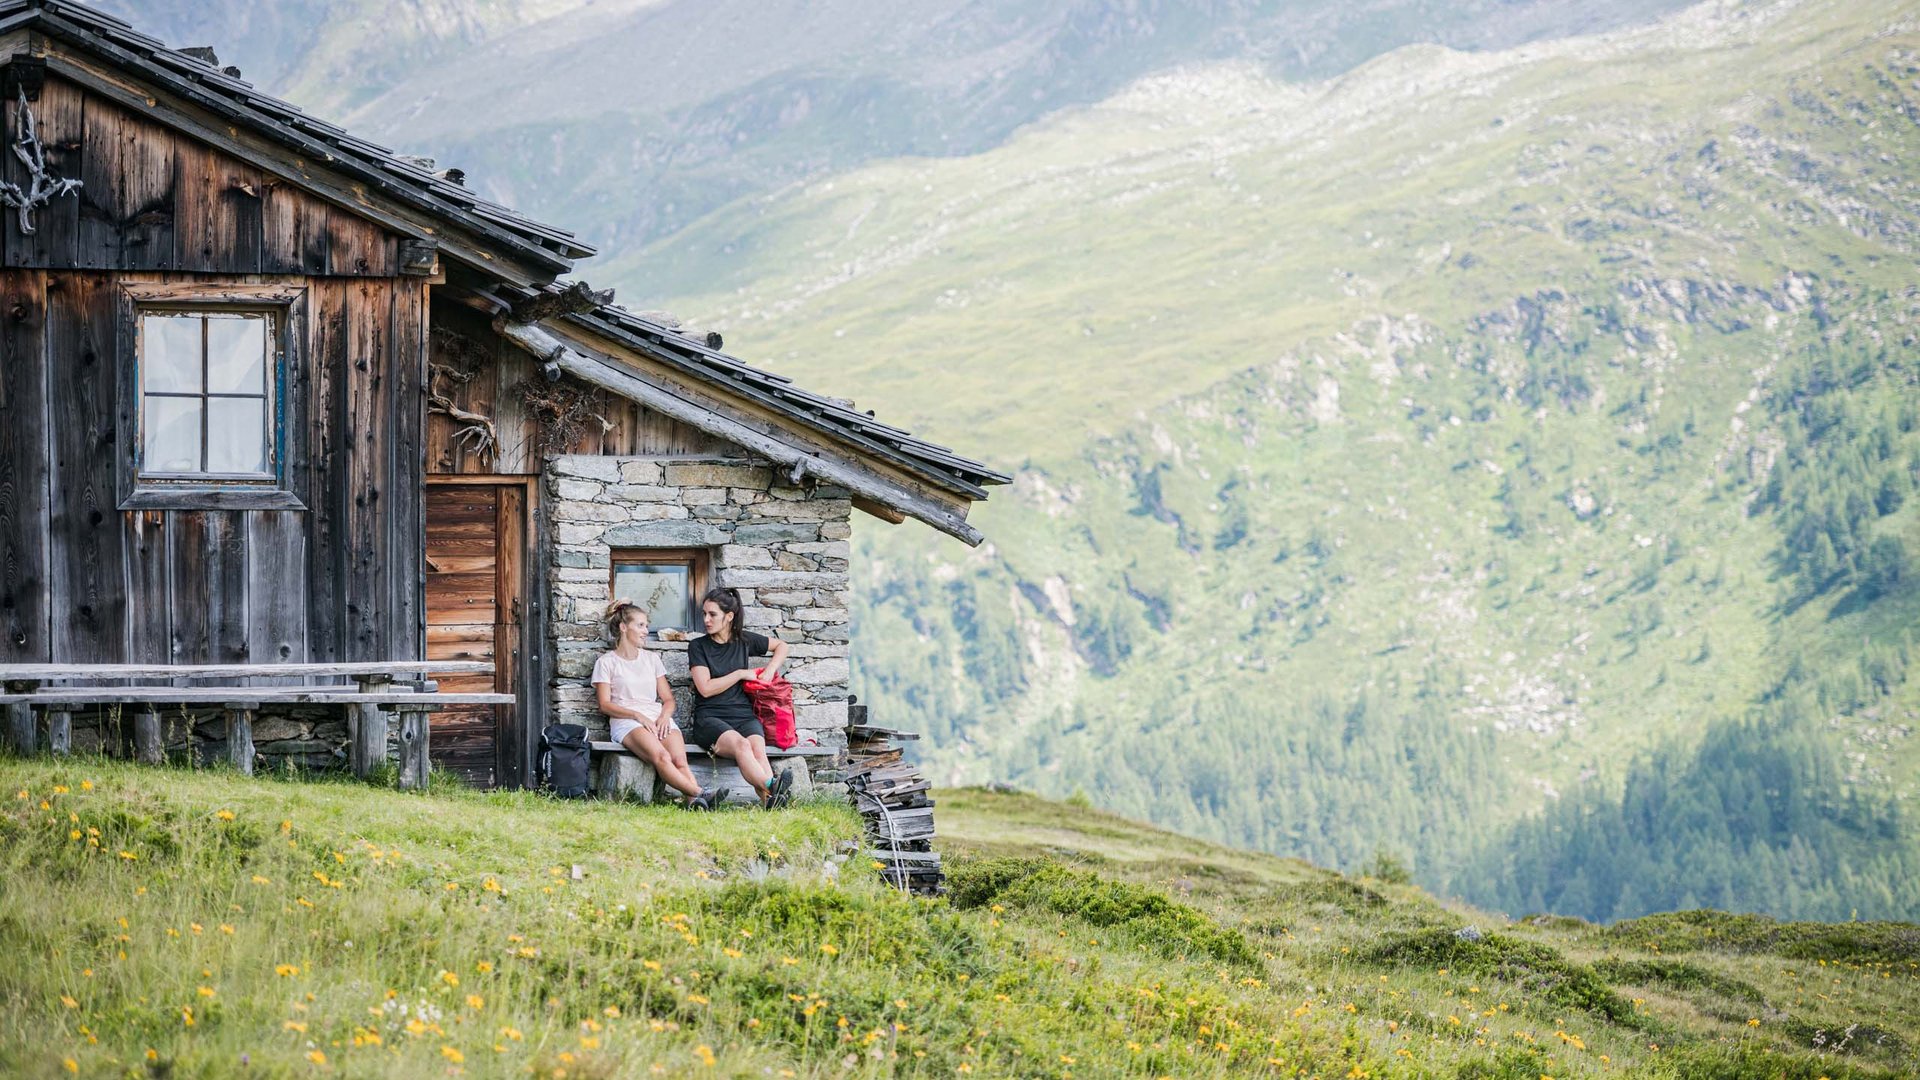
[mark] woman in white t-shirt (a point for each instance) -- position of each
(632, 686)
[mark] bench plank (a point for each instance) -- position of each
(693, 748)
(73, 672)
(220, 695)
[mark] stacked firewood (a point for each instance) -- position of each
(891, 794)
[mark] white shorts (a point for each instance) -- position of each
(620, 727)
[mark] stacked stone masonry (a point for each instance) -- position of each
(785, 547)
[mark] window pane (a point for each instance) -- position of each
(236, 354)
(172, 435)
(236, 435)
(170, 353)
(665, 590)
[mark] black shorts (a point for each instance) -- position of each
(706, 730)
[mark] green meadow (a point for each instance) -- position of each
(163, 922)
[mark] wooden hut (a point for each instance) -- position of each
(272, 395)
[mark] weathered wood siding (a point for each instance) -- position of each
(153, 199)
(464, 344)
(82, 581)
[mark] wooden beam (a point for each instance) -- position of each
(240, 738)
(880, 510)
(367, 749)
(147, 748)
(20, 729)
(60, 732)
(38, 673)
(415, 767)
(605, 371)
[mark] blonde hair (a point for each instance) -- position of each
(621, 614)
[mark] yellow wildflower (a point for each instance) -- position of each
(316, 1057)
(475, 1001)
(452, 1054)
(224, 815)
(705, 1054)
(830, 950)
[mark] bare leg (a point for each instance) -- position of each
(759, 745)
(646, 746)
(732, 745)
(677, 746)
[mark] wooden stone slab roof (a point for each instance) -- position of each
(519, 255)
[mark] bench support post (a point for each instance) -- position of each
(20, 730)
(240, 737)
(147, 747)
(367, 739)
(60, 732)
(414, 767)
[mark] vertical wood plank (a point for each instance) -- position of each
(240, 739)
(277, 589)
(238, 223)
(102, 174)
(25, 629)
(284, 223)
(406, 509)
(365, 434)
(196, 206)
(145, 198)
(357, 247)
(144, 582)
(509, 631)
(207, 556)
(325, 372)
(510, 416)
(61, 127)
(87, 570)
(60, 733)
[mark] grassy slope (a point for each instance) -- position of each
(278, 943)
(1397, 322)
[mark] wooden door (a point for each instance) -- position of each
(476, 541)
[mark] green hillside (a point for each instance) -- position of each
(160, 922)
(1418, 460)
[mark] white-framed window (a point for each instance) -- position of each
(210, 415)
(207, 383)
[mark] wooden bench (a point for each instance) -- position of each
(621, 775)
(375, 688)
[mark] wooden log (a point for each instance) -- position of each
(414, 767)
(368, 750)
(60, 732)
(20, 733)
(240, 738)
(147, 747)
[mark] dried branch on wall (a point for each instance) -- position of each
(565, 411)
(478, 433)
(43, 187)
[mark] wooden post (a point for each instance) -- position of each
(413, 748)
(60, 732)
(20, 733)
(367, 751)
(147, 747)
(240, 735)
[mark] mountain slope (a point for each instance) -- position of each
(1404, 454)
(167, 921)
(631, 118)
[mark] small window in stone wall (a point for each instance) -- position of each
(667, 582)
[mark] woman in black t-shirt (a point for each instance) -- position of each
(723, 720)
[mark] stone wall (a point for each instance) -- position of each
(312, 737)
(785, 548)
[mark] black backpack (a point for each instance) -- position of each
(566, 759)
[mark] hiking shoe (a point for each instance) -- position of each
(782, 783)
(699, 802)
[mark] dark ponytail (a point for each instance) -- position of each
(728, 601)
